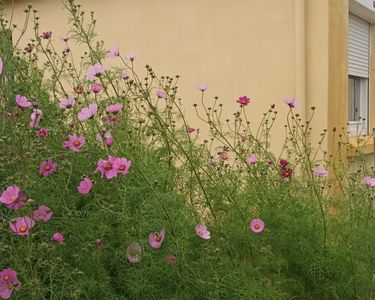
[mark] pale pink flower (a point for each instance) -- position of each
(42, 132)
(203, 86)
(256, 225)
(252, 159)
(74, 143)
(1, 65)
(13, 197)
(98, 242)
(96, 87)
(114, 52)
(35, 118)
(156, 239)
(42, 213)
(190, 129)
(114, 108)
(171, 260)
(22, 225)
(107, 168)
(23, 102)
(58, 237)
(161, 94)
(243, 101)
(67, 103)
(291, 102)
(124, 75)
(65, 51)
(47, 167)
(202, 232)
(85, 186)
(8, 283)
(134, 252)
(320, 171)
(369, 181)
(65, 38)
(123, 165)
(131, 56)
(87, 112)
(107, 136)
(95, 71)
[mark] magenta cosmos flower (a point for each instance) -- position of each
(35, 118)
(320, 171)
(22, 225)
(291, 102)
(42, 132)
(13, 198)
(252, 159)
(85, 186)
(203, 86)
(96, 87)
(171, 260)
(369, 181)
(67, 103)
(74, 143)
(107, 168)
(286, 173)
(256, 225)
(87, 112)
(114, 108)
(58, 237)
(156, 239)
(1, 65)
(47, 167)
(202, 232)
(46, 35)
(243, 101)
(123, 165)
(131, 56)
(134, 252)
(23, 102)
(8, 283)
(107, 136)
(161, 94)
(95, 71)
(114, 52)
(42, 213)
(190, 129)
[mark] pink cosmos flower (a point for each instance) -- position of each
(320, 171)
(35, 118)
(8, 283)
(171, 260)
(243, 101)
(87, 112)
(223, 156)
(369, 181)
(1, 65)
(22, 225)
(114, 52)
(202, 232)
(286, 173)
(85, 186)
(78, 89)
(42, 132)
(291, 102)
(161, 94)
(95, 71)
(13, 197)
(67, 103)
(46, 35)
(108, 138)
(190, 129)
(42, 213)
(23, 102)
(252, 159)
(256, 225)
(74, 142)
(29, 48)
(134, 252)
(96, 87)
(114, 108)
(47, 167)
(283, 162)
(124, 75)
(123, 165)
(203, 87)
(107, 168)
(156, 239)
(65, 51)
(131, 56)
(98, 242)
(58, 237)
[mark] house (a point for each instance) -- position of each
(317, 51)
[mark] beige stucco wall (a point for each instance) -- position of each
(267, 50)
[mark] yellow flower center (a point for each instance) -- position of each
(6, 278)
(42, 216)
(22, 228)
(108, 166)
(157, 238)
(256, 226)
(47, 168)
(121, 168)
(13, 197)
(76, 143)
(10, 286)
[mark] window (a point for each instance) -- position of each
(358, 94)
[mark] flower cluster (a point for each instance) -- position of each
(112, 166)
(8, 283)
(286, 171)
